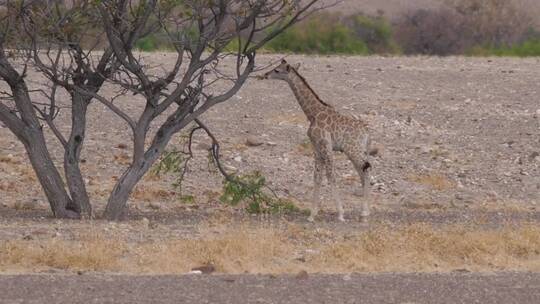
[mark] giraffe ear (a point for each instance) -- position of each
(283, 61)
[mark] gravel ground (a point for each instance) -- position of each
(452, 133)
(504, 288)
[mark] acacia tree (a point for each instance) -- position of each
(80, 46)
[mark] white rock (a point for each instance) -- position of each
(195, 272)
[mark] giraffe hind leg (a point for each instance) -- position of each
(317, 184)
(362, 166)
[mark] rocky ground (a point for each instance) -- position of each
(457, 142)
(451, 133)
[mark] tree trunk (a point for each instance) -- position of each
(48, 175)
(28, 129)
(74, 179)
(116, 205)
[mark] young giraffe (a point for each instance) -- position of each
(329, 131)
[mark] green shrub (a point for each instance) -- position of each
(376, 32)
(321, 34)
(249, 188)
(172, 162)
(527, 48)
(147, 44)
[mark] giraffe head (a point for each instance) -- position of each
(281, 71)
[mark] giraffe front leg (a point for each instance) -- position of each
(366, 189)
(317, 184)
(334, 193)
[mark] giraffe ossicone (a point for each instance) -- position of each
(329, 131)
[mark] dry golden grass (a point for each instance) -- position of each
(305, 148)
(149, 193)
(88, 253)
(122, 158)
(8, 159)
(260, 249)
(289, 119)
(435, 181)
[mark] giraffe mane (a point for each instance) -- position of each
(309, 87)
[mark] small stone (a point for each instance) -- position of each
(154, 206)
(122, 146)
(301, 259)
(252, 141)
(145, 221)
(238, 159)
(195, 272)
(461, 270)
(204, 146)
(230, 168)
(374, 151)
(271, 143)
(205, 269)
(535, 156)
(302, 275)
(347, 277)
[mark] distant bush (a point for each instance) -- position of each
(153, 42)
(460, 27)
(375, 32)
(495, 22)
(432, 32)
(320, 34)
(465, 26)
(524, 49)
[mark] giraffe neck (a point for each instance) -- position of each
(307, 98)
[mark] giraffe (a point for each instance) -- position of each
(329, 131)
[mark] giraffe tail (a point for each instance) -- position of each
(366, 143)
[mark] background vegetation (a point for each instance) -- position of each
(462, 27)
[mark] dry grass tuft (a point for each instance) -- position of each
(305, 148)
(289, 119)
(89, 253)
(122, 158)
(8, 159)
(266, 249)
(435, 181)
(150, 193)
(420, 247)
